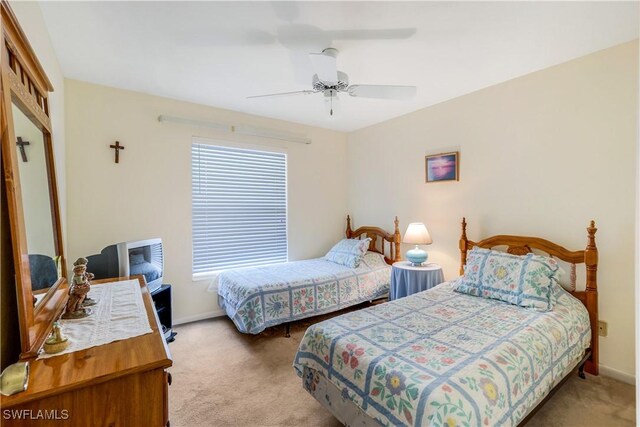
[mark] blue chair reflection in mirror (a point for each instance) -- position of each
(44, 271)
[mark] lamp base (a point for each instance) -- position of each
(416, 256)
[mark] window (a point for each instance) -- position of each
(239, 201)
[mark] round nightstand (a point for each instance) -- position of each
(407, 279)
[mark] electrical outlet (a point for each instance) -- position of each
(603, 328)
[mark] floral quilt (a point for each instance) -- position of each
(256, 298)
(442, 358)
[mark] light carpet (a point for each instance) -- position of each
(224, 378)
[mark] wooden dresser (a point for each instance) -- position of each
(124, 383)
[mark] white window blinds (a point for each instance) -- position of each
(239, 200)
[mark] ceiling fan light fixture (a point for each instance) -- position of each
(342, 84)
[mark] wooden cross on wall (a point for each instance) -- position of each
(21, 145)
(117, 147)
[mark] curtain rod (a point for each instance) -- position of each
(240, 129)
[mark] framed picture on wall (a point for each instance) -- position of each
(442, 167)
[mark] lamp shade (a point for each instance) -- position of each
(417, 234)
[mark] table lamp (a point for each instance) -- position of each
(417, 234)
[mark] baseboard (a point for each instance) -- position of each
(202, 316)
(617, 375)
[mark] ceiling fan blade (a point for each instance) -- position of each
(382, 91)
(196, 37)
(325, 66)
(382, 34)
(297, 92)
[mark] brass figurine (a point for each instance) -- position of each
(56, 342)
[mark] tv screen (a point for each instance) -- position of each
(139, 264)
(143, 257)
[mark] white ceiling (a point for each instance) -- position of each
(218, 53)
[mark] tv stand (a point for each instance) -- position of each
(162, 301)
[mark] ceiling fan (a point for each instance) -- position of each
(329, 81)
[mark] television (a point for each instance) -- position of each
(142, 257)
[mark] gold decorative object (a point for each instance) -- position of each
(14, 378)
(56, 342)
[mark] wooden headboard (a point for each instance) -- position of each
(374, 233)
(520, 245)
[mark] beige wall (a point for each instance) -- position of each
(540, 155)
(149, 193)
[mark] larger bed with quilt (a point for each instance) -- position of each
(260, 297)
(486, 349)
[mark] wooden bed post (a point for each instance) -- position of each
(463, 246)
(397, 238)
(591, 261)
(349, 231)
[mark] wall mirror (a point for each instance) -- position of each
(39, 222)
(29, 171)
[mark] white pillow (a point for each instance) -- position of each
(348, 252)
(374, 260)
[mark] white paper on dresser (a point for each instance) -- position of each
(119, 314)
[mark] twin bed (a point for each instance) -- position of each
(445, 358)
(260, 297)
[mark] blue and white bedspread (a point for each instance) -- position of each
(259, 297)
(441, 358)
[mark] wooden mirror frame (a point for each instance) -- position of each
(24, 82)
